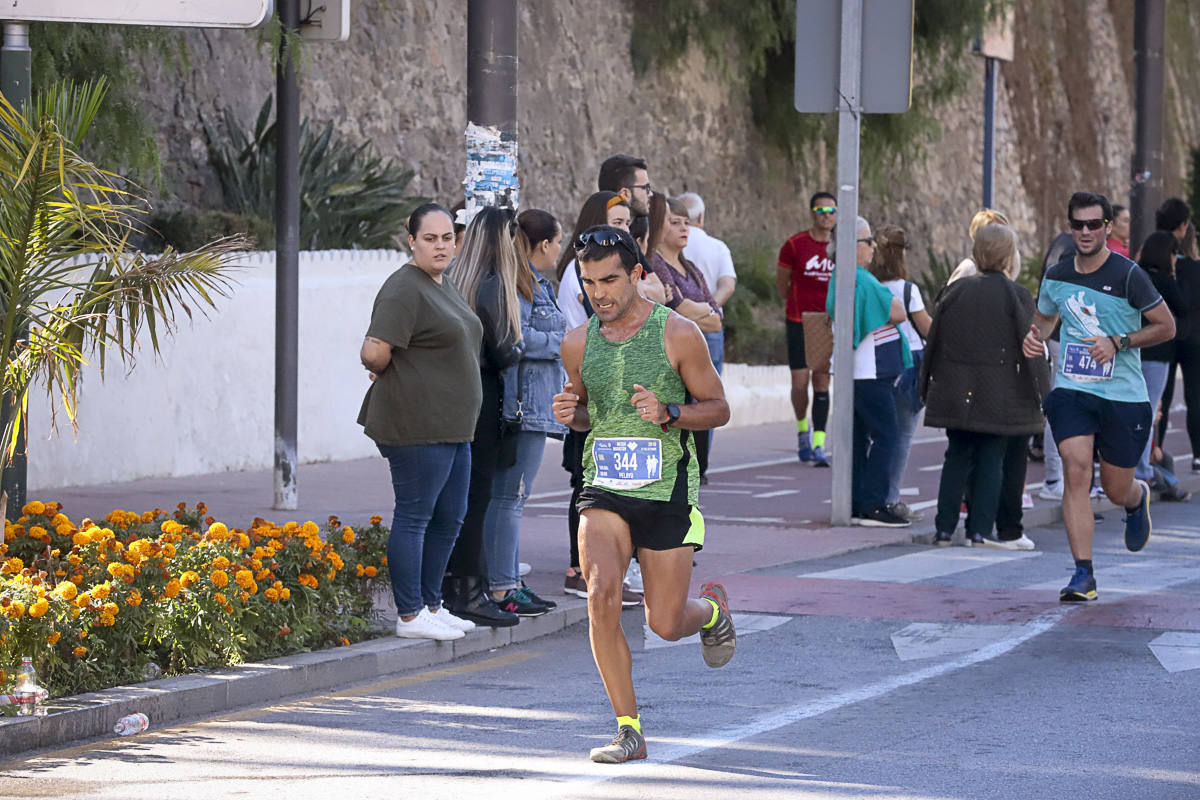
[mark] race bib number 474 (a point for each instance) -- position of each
(627, 463)
(1079, 365)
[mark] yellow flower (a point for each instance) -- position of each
(39, 609)
(83, 600)
(17, 609)
(348, 535)
(60, 519)
(372, 572)
(272, 594)
(135, 598)
(66, 591)
(360, 570)
(188, 578)
(172, 588)
(102, 590)
(220, 598)
(13, 565)
(220, 562)
(244, 578)
(168, 550)
(242, 541)
(217, 532)
(244, 596)
(308, 580)
(34, 507)
(108, 620)
(170, 526)
(64, 528)
(285, 593)
(53, 638)
(376, 519)
(80, 651)
(220, 578)
(309, 530)
(114, 569)
(38, 532)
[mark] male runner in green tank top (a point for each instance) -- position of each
(630, 373)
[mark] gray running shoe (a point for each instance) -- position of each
(719, 641)
(627, 745)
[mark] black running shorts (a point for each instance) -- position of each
(653, 524)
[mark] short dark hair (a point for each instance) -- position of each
(1117, 209)
(1087, 200)
(617, 172)
(1171, 214)
(812, 202)
(594, 251)
(640, 226)
(539, 226)
(420, 212)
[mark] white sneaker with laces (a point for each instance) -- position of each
(523, 569)
(633, 578)
(1051, 491)
(449, 620)
(426, 626)
(1024, 543)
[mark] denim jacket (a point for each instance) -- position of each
(531, 383)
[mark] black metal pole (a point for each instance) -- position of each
(287, 256)
(16, 81)
(1149, 31)
(989, 132)
(492, 64)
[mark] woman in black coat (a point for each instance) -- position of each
(979, 386)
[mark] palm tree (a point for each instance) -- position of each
(70, 286)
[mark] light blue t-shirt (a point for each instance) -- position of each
(1107, 302)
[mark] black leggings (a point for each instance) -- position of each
(1188, 359)
(467, 559)
(572, 462)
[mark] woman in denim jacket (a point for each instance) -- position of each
(529, 387)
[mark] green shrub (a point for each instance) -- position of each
(188, 230)
(754, 318)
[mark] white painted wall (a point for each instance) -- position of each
(207, 403)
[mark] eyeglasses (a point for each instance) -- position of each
(645, 187)
(605, 239)
(1090, 224)
(869, 241)
(824, 210)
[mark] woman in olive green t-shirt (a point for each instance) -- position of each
(422, 349)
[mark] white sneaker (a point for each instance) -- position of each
(450, 621)
(1051, 491)
(426, 626)
(633, 578)
(523, 569)
(1026, 501)
(1024, 543)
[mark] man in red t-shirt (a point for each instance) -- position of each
(803, 281)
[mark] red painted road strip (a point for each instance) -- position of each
(916, 602)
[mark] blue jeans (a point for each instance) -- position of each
(716, 351)
(502, 524)
(906, 424)
(430, 482)
(875, 442)
(1155, 373)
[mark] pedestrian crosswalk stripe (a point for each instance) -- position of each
(930, 639)
(923, 566)
(1177, 651)
(743, 623)
(1139, 576)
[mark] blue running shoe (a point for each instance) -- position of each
(819, 458)
(1137, 521)
(1081, 588)
(804, 450)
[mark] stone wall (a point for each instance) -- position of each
(1064, 122)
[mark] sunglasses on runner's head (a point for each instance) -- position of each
(1090, 224)
(824, 210)
(604, 239)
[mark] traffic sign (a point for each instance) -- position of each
(178, 13)
(328, 22)
(887, 47)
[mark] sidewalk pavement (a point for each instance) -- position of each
(747, 531)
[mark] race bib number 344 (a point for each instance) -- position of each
(627, 463)
(1079, 365)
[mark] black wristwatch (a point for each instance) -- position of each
(1125, 343)
(672, 415)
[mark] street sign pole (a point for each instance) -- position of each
(989, 132)
(849, 124)
(287, 258)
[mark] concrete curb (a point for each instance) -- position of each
(164, 701)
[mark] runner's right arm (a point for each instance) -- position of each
(1039, 331)
(570, 405)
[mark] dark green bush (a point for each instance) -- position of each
(754, 328)
(187, 230)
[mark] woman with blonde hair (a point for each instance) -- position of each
(488, 272)
(978, 384)
(988, 216)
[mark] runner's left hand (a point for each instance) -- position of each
(648, 406)
(1102, 348)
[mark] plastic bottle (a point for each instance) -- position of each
(130, 724)
(27, 691)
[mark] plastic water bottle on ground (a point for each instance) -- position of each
(27, 692)
(131, 724)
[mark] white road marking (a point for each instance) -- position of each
(711, 490)
(924, 565)
(930, 468)
(774, 478)
(1140, 576)
(909, 491)
(743, 623)
(1176, 651)
(778, 493)
(924, 504)
(751, 520)
(930, 639)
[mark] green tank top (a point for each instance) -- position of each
(627, 447)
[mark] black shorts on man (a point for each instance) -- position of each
(797, 358)
(653, 524)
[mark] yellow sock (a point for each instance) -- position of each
(818, 438)
(634, 722)
(716, 612)
(802, 425)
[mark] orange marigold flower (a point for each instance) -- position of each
(83, 600)
(34, 507)
(262, 574)
(308, 580)
(172, 588)
(170, 526)
(135, 598)
(360, 570)
(376, 519)
(228, 608)
(16, 609)
(285, 593)
(108, 620)
(64, 528)
(147, 517)
(220, 598)
(13, 565)
(37, 532)
(114, 569)
(102, 590)
(272, 594)
(39, 609)
(74, 560)
(383, 560)
(372, 572)
(244, 596)
(168, 550)
(343, 641)
(217, 532)
(220, 562)
(243, 578)
(310, 529)
(348, 535)
(66, 591)
(80, 651)
(53, 638)
(77, 578)
(220, 578)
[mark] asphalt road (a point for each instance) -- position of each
(899, 672)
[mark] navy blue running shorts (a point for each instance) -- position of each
(1121, 429)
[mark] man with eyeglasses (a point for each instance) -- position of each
(628, 177)
(1099, 397)
(630, 371)
(802, 279)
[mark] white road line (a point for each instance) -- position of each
(1141, 576)
(923, 566)
(924, 504)
(930, 468)
(711, 490)
(774, 478)
(751, 520)
(779, 493)
(593, 774)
